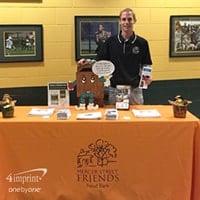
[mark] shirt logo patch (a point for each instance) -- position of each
(136, 50)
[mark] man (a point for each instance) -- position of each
(129, 53)
(9, 45)
(100, 37)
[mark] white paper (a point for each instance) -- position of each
(146, 113)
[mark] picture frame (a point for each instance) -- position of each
(184, 36)
(21, 43)
(86, 33)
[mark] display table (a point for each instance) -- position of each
(125, 159)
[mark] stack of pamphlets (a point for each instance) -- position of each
(47, 112)
(63, 114)
(145, 113)
(89, 115)
(111, 113)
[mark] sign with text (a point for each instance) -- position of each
(103, 68)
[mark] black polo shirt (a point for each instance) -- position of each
(128, 56)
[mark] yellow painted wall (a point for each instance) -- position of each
(57, 17)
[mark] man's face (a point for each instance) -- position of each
(100, 27)
(126, 21)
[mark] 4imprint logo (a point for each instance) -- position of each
(29, 176)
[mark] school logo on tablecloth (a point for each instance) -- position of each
(96, 164)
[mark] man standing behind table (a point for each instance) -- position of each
(129, 53)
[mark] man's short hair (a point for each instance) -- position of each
(128, 10)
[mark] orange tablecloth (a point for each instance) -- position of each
(125, 159)
(196, 166)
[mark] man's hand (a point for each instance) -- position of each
(148, 79)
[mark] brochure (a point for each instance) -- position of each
(146, 72)
(58, 94)
(122, 97)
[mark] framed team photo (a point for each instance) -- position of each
(91, 32)
(184, 36)
(21, 43)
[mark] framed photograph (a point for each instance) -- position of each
(184, 36)
(91, 32)
(21, 43)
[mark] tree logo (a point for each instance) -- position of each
(94, 166)
(100, 153)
